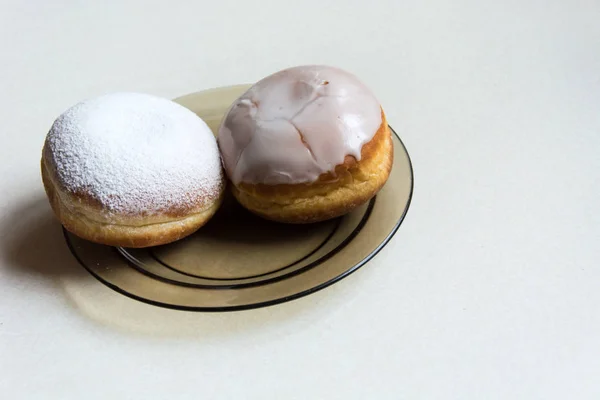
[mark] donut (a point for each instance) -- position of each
(131, 170)
(306, 144)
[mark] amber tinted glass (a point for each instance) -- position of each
(240, 261)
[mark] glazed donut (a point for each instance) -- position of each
(131, 170)
(306, 144)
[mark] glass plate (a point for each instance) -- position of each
(239, 261)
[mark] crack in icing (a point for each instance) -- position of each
(297, 124)
(301, 110)
(303, 140)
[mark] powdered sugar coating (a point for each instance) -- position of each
(135, 154)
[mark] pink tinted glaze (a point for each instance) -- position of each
(297, 124)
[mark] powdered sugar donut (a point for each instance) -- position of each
(132, 170)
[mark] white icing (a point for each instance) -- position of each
(135, 153)
(297, 124)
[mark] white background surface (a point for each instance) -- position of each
(489, 290)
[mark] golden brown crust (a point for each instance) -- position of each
(354, 183)
(87, 219)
